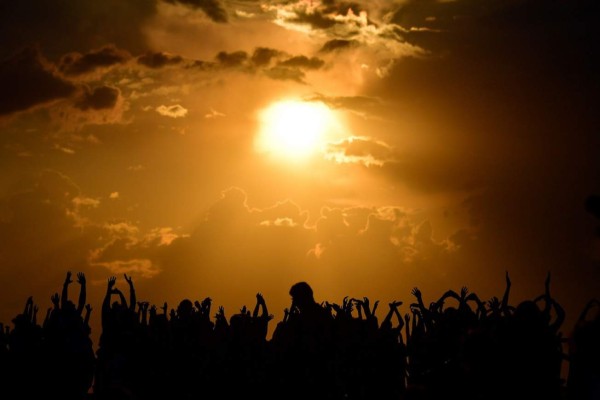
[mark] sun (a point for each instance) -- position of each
(294, 129)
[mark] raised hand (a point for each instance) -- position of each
(111, 282)
(206, 302)
(416, 292)
(547, 283)
(128, 279)
(55, 299)
(508, 282)
(375, 307)
(165, 308)
(68, 279)
(259, 298)
(463, 292)
(81, 278)
(365, 303)
(494, 303)
(394, 304)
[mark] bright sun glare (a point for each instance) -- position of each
(294, 129)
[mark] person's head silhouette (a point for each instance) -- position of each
(302, 296)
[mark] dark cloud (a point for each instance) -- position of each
(262, 56)
(303, 62)
(27, 80)
(102, 97)
(315, 19)
(62, 26)
(159, 59)
(338, 44)
(286, 74)
(212, 8)
(363, 150)
(434, 174)
(201, 65)
(74, 64)
(234, 59)
(360, 104)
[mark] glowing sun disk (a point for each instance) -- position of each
(294, 129)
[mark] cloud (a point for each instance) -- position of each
(76, 64)
(113, 195)
(28, 80)
(274, 246)
(82, 201)
(159, 59)
(213, 8)
(213, 114)
(129, 251)
(262, 56)
(230, 60)
(99, 98)
(101, 105)
(338, 44)
(173, 111)
(364, 106)
(42, 212)
(362, 150)
(302, 62)
(283, 73)
(62, 26)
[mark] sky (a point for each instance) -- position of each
(220, 148)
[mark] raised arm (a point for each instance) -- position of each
(387, 321)
(106, 302)
(425, 314)
(121, 297)
(143, 307)
(28, 310)
(132, 299)
(34, 317)
(504, 305)
(560, 317)
(260, 303)
(82, 292)
(590, 304)
(369, 313)
(65, 290)
(55, 301)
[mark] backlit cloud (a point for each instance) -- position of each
(75, 64)
(173, 111)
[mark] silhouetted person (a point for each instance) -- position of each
(309, 354)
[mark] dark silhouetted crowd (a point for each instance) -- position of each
(456, 347)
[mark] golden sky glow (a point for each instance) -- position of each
(223, 148)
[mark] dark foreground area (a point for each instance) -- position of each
(456, 347)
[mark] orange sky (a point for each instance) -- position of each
(457, 140)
